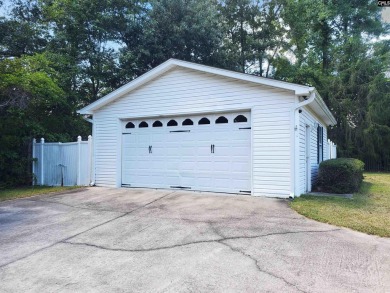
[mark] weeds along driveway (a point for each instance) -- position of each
(142, 240)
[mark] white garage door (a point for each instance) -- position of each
(209, 153)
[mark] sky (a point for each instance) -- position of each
(5, 9)
(386, 14)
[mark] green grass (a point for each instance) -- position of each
(368, 211)
(20, 192)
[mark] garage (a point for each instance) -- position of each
(210, 152)
(189, 126)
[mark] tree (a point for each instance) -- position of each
(333, 49)
(31, 103)
(22, 34)
(81, 35)
(59, 55)
(185, 29)
(253, 35)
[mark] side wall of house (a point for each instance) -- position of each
(183, 91)
(308, 121)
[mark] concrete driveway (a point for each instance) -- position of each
(139, 240)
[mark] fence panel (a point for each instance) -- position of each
(52, 159)
(332, 150)
(69, 164)
(62, 164)
(85, 166)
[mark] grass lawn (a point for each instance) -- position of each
(21, 192)
(368, 211)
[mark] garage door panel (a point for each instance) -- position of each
(143, 139)
(222, 165)
(171, 180)
(240, 167)
(187, 166)
(203, 151)
(187, 151)
(187, 179)
(157, 165)
(185, 158)
(203, 166)
(222, 150)
(157, 137)
(204, 183)
(221, 182)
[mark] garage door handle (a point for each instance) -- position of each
(212, 148)
(150, 149)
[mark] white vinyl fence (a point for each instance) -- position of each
(63, 164)
(332, 149)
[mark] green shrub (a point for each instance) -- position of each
(343, 175)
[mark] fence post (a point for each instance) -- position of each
(79, 160)
(42, 157)
(33, 162)
(91, 168)
(334, 150)
(61, 164)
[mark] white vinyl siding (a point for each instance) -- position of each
(307, 118)
(184, 91)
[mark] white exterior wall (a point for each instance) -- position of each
(184, 91)
(308, 119)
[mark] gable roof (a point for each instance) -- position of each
(300, 90)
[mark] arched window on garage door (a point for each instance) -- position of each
(172, 123)
(188, 122)
(130, 125)
(240, 118)
(143, 124)
(204, 121)
(221, 120)
(157, 124)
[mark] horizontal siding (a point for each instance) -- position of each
(186, 91)
(272, 149)
(308, 119)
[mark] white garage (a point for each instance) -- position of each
(188, 126)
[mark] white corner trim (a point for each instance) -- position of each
(295, 143)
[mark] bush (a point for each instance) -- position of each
(342, 175)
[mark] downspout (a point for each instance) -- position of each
(92, 150)
(295, 111)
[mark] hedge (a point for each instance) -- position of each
(343, 175)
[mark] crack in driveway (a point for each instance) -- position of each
(78, 207)
(222, 240)
(192, 242)
(255, 261)
(89, 229)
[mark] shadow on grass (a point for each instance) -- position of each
(360, 199)
(368, 211)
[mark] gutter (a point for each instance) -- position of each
(85, 117)
(295, 144)
(326, 110)
(306, 102)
